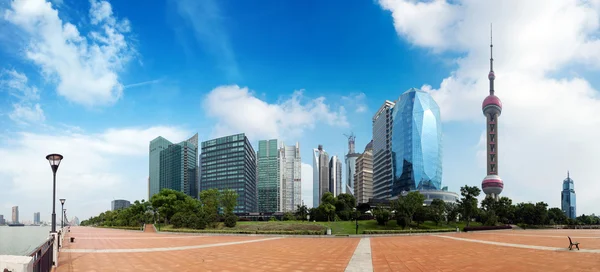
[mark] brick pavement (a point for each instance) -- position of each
(397, 253)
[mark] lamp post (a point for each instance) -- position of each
(54, 160)
(65, 220)
(356, 216)
(62, 217)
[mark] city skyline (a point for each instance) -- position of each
(166, 73)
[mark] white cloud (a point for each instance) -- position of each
(307, 184)
(357, 101)
(96, 168)
(548, 123)
(238, 110)
(24, 110)
(84, 67)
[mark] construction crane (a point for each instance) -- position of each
(351, 145)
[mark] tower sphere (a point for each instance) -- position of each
(492, 104)
(492, 184)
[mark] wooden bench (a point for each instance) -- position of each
(571, 244)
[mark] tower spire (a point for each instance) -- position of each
(491, 75)
(567, 173)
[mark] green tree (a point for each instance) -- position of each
(210, 203)
(452, 211)
(301, 212)
(344, 206)
(168, 202)
(381, 215)
(228, 200)
(468, 202)
(438, 210)
(557, 216)
(406, 206)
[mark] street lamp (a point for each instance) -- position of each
(54, 160)
(65, 217)
(356, 216)
(62, 217)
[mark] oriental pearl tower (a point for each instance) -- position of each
(492, 184)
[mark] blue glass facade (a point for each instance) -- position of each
(567, 198)
(416, 143)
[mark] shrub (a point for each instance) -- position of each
(272, 219)
(199, 223)
(238, 231)
(402, 221)
(382, 216)
(288, 216)
(406, 231)
(178, 220)
(244, 219)
(230, 220)
(478, 228)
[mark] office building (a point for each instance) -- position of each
(335, 176)
(291, 165)
(15, 214)
(118, 204)
(567, 198)
(416, 143)
(320, 174)
(269, 176)
(2, 221)
(363, 177)
(230, 163)
(36, 218)
(382, 155)
(174, 166)
(350, 164)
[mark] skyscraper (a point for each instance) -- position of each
(291, 165)
(118, 204)
(36, 218)
(269, 176)
(567, 198)
(350, 164)
(174, 166)
(363, 178)
(492, 184)
(15, 214)
(335, 176)
(417, 143)
(382, 155)
(320, 174)
(230, 163)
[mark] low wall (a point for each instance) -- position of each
(16, 263)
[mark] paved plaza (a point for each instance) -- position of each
(98, 249)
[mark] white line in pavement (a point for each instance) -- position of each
(361, 260)
(135, 250)
(551, 236)
(138, 238)
(520, 245)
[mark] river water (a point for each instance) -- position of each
(22, 240)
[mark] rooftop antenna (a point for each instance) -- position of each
(491, 75)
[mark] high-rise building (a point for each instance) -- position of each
(2, 221)
(417, 143)
(75, 221)
(118, 204)
(269, 176)
(335, 176)
(363, 177)
(492, 184)
(36, 218)
(350, 164)
(567, 198)
(230, 163)
(174, 166)
(291, 165)
(382, 155)
(15, 214)
(320, 174)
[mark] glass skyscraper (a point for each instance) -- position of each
(291, 167)
(174, 166)
(269, 176)
(567, 198)
(230, 163)
(416, 143)
(320, 174)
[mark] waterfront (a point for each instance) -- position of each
(22, 240)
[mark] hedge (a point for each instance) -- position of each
(406, 231)
(478, 228)
(238, 231)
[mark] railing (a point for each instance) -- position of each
(42, 256)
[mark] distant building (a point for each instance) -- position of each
(269, 176)
(75, 221)
(174, 166)
(15, 214)
(382, 154)
(567, 198)
(291, 170)
(2, 221)
(36, 218)
(363, 177)
(335, 176)
(351, 158)
(230, 163)
(119, 204)
(320, 174)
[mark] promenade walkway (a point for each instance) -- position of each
(98, 249)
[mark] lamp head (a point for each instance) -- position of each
(62, 201)
(54, 160)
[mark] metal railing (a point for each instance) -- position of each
(42, 256)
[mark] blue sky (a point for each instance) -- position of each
(97, 80)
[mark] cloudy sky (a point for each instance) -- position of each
(97, 80)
